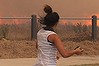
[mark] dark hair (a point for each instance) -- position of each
(48, 9)
(51, 17)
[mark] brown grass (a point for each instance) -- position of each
(27, 49)
(11, 48)
(17, 49)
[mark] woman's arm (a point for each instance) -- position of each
(59, 45)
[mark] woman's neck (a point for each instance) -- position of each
(50, 28)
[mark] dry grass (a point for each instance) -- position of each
(27, 49)
(17, 49)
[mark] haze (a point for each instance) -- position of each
(66, 8)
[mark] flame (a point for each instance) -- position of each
(13, 21)
(63, 22)
(89, 22)
(83, 22)
(0, 21)
(97, 20)
(16, 21)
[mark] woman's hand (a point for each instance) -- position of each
(78, 50)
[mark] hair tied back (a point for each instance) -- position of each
(48, 9)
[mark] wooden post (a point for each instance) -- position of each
(94, 27)
(33, 27)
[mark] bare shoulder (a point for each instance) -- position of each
(53, 38)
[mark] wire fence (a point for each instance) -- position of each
(74, 30)
(98, 29)
(15, 28)
(78, 28)
(70, 28)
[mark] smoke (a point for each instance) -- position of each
(66, 8)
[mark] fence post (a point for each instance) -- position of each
(94, 27)
(33, 27)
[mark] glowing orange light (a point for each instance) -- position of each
(83, 22)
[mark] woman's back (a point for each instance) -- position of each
(46, 49)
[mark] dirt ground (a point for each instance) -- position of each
(26, 49)
(17, 49)
(24, 53)
(74, 60)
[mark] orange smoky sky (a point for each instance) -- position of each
(65, 8)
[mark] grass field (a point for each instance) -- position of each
(68, 31)
(15, 39)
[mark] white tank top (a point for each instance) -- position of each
(46, 50)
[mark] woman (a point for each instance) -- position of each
(49, 42)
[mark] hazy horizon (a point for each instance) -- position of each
(65, 8)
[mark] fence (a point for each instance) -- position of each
(34, 28)
(61, 30)
(94, 24)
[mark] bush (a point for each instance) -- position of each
(4, 31)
